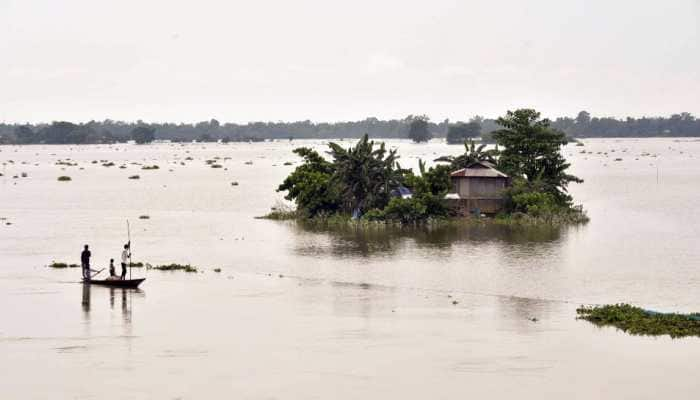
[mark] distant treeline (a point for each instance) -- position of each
(108, 131)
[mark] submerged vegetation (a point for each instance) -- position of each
(60, 265)
(174, 267)
(367, 182)
(637, 321)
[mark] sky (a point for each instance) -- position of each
(327, 60)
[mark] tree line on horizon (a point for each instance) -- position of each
(417, 127)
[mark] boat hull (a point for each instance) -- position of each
(126, 283)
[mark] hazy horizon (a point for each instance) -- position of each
(316, 60)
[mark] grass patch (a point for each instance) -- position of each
(637, 321)
(60, 265)
(64, 178)
(175, 267)
(570, 216)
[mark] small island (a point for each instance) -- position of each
(522, 179)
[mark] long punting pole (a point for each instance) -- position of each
(128, 234)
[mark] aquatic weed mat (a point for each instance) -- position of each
(638, 321)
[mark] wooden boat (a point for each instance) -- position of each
(126, 283)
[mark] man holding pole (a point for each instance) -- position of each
(126, 256)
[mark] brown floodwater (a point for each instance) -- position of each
(301, 312)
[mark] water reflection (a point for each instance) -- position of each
(384, 241)
(124, 295)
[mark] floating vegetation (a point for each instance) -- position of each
(638, 321)
(147, 167)
(134, 177)
(108, 164)
(174, 267)
(60, 265)
(144, 217)
(64, 178)
(217, 269)
(140, 265)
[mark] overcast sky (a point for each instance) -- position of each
(326, 60)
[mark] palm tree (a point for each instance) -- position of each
(472, 154)
(365, 174)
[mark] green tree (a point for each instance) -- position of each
(461, 131)
(418, 129)
(143, 134)
(310, 186)
(532, 152)
(365, 175)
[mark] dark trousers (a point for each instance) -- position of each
(123, 270)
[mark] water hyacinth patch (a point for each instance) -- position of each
(175, 267)
(638, 321)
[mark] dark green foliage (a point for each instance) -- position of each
(637, 321)
(472, 153)
(174, 267)
(310, 185)
(364, 175)
(109, 131)
(143, 134)
(418, 129)
(405, 210)
(460, 132)
(61, 265)
(531, 151)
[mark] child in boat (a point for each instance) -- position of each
(112, 272)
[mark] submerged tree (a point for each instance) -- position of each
(531, 150)
(143, 134)
(461, 131)
(418, 129)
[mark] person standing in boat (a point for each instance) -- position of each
(126, 255)
(85, 262)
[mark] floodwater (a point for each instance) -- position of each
(310, 313)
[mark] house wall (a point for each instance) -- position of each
(466, 207)
(479, 187)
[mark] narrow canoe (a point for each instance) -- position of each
(126, 283)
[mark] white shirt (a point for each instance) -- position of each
(125, 256)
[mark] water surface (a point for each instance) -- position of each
(311, 313)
